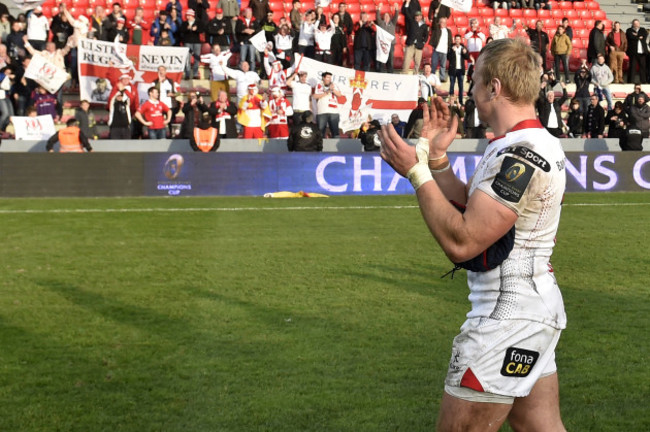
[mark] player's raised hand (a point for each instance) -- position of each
(438, 126)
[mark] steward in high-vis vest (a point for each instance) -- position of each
(71, 139)
(205, 138)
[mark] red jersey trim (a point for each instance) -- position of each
(525, 124)
(469, 380)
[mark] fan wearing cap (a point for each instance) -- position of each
(231, 12)
(246, 27)
(277, 76)
(323, 40)
(122, 83)
(119, 32)
(280, 111)
(191, 31)
(253, 113)
(38, 28)
(219, 30)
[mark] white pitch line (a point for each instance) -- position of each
(241, 209)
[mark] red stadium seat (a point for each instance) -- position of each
(501, 12)
(589, 23)
(487, 22)
(584, 14)
(544, 13)
(576, 24)
(566, 5)
(507, 21)
(577, 43)
(579, 5)
(354, 8)
(599, 15)
(530, 13)
(571, 14)
(516, 13)
(581, 33)
(486, 12)
(461, 20)
(592, 5)
(551, 32)
(549, 23)
(276, 6)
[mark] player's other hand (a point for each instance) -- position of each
(439, 126)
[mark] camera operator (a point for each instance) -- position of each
(192, 111)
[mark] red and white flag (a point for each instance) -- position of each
(378, 95)
(383, 40)
(459, 5)
(101, 63)
(46, 73)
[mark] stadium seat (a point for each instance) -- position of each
(487, 22)
(507, 21)
(544, 13)
(577, 43)
(589, 23)
(461, 20)
(516, 13)
(530, 13)
(501, 12)
(557, 14)
(592, 5)
(581, 33)
(276, 6)
(354, 8)
(566, 5)
(486, 12)
(576, 24)
(551, 33)
(579, 5)
(584, 14)
(571, 14)
(598, 14)
(549, 24)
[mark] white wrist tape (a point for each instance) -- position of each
(419, 174)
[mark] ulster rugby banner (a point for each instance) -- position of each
(365, 93)
(47, 74)
(101, 62)
(33, 128)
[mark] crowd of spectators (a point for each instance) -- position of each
(328, 37)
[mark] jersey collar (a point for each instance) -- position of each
(525, 124)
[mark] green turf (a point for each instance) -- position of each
(287, 315)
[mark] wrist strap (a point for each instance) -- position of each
(418, 175)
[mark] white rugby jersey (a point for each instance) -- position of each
(523, 170)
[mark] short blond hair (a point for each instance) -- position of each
(516, 65)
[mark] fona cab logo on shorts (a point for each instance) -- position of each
(518, 362)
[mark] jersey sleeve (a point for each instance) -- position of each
(515, 176)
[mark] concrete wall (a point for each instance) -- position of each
(280, 146)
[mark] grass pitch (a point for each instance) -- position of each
(251, 314)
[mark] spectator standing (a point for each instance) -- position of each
(260, 9)
(323, 41)
(281, 110)
(640, 116)
(71, 139)
(16, 41)
(413, 127)
(583, 80)
(369, 136)
(119, 116)
(139, 28)
(305, 135)
(86, 119)
(457, 60)
(38, 28)
(346, 19)
(284, 45)
(191, 31)
(5, 27)
(6, 107)
(549, 111)
(429, 83)
(561, 47)
(175, 32)
(192, 111)
(244, 78)
(230, 10)
(100, 24)
(398, 124)
(119, 31)
(219, 30)
(306, 34)
(154, 114)
(167, 91)
(326, 95)
(501, 31)
(295, 16)
(253, 113)
(200, 8)
(539, 40)
(637, 50)
(617, 45)
(245, 28)
(364, 43)
(474, 39)
(617, 121)
(567, 28)
(473, 126)
(163, 23)
(601, 78)
(301, 93)
(594, 119)
(596, 41)
(215, 61)
(416, 36)
(115, 14)
(575, 119)
(61, 28)
(339, 42)
(387, 23)
(441, 41)
(174, 5)
(224, 116)
(436, 11)
(632, 98)
(269, 27)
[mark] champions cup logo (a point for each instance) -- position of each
(173, 166)
(515, 171)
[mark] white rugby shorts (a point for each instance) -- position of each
(501, 358)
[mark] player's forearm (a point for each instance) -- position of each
(451, 186)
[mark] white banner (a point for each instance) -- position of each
(459, 5)
(258, 40)
(101, 64)
(46, 73)
(365, 93)
(383, 41)
(33, 128)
